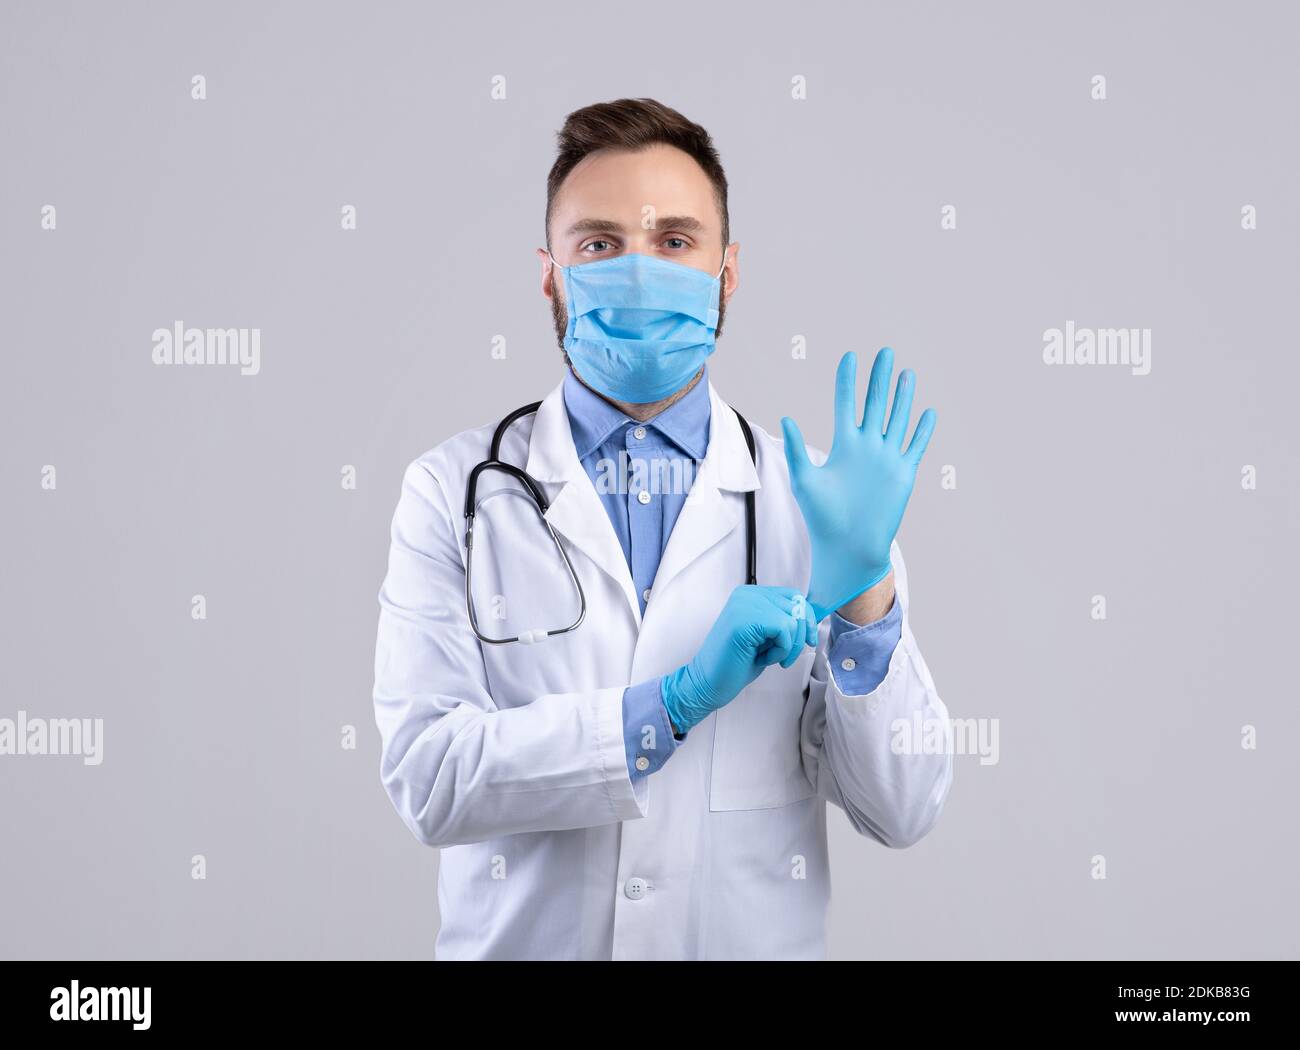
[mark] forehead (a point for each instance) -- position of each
(618, 184)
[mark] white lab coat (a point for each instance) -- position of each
(511, 757)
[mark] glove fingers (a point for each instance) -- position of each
(846, 394)
(782, 598)
(921, 437)
(803, 629)
(796, 453)
(780, 622)
(873, 418)
(902, 410)
(802, 612)
(803, 623)
(810, 623)
(785, 639)
(796, 648)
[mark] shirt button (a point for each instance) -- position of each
(635, 888)
(642, 764)
(643, 496)
(848, 663)
(639, 433)
(646, 594)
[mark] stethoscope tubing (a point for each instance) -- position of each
(534, 489)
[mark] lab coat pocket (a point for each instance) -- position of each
(756, 758)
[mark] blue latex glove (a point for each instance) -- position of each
(758, 627)
(854, 503)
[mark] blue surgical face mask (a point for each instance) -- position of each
(639, 327)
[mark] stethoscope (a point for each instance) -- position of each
(494, 462)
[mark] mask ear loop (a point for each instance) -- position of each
(563, 270)
(718, 275)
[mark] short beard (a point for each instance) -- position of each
(560, 316)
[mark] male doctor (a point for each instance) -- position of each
(652, 784)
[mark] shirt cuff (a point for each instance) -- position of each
(859, 654)
(647, 733)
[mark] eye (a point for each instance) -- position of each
(677, 244)
(596, 247)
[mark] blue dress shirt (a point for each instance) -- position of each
(642, 473)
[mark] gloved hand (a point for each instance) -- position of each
(759, 626)
(854, 503)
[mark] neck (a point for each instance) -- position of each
(642, 412)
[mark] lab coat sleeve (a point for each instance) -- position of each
(884, 757)
(457, 768)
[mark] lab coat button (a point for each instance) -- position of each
(848, 663)
(643, 496)
(639, 433)
(646, 594)
(635, 888)
(642, 764)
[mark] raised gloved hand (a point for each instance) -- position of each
(854, 503)
(758, 627)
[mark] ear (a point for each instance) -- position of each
(549, 276)
(731, 271)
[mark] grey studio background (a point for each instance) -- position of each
(1120, 738)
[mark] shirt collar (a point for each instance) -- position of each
(592, 419)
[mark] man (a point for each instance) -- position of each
(651, 783)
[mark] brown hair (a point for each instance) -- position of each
(634, 124)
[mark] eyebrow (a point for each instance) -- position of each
(684, 223)
(595, 226)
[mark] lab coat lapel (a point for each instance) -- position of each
(575, 511)
(711, 512)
